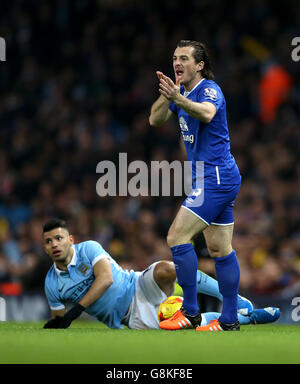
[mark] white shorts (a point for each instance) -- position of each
(144, 305)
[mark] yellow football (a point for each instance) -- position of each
(168, 307)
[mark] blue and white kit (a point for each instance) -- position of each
(216, 177)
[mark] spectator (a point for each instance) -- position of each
(76, 89)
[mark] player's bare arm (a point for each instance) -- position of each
(103, 280)
(204, 111)
(160, 112)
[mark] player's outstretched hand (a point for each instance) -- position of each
(167, 87)
(53, 323)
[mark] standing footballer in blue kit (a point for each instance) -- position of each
(200, 107)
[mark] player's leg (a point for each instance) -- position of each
(258, 316)
(207, 285)
(218, 239)
(219, 243)
(164, 275)
(208, 317)
(149, 295)
(183, 229)
(195, 216)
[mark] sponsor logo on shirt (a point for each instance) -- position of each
(183, 124)
(210, 93)
(184, 128)
(189, 138)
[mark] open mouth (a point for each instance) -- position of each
(179, 73)
(57, 253)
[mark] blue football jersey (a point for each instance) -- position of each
(208, 143)
(63, 287)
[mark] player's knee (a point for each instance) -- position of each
(214, 251)
(176, 237)
(171, 239)
(164, 272)
(219, 251)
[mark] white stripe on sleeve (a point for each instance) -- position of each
(100, 257)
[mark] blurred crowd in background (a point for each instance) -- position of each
(77, 88)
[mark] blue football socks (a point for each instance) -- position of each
(186, 264)
(228, 275)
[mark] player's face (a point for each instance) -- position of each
(58, 244)
(187, 71)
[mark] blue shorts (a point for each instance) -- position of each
(213, 206)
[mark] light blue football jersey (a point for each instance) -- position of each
(208, 143)
(69, 287)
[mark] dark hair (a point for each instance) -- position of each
(54, 223)
(200, 54)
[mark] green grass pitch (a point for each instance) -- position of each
(91, 342)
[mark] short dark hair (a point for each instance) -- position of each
(200, 54)
(54, 223)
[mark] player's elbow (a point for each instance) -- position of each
(207, 120)
(207, 117)
(108, 282)
(105, 282)
(207, 112)
(154, 122)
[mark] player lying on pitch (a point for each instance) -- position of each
(87, 276)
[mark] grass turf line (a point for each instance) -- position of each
(92, 342)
